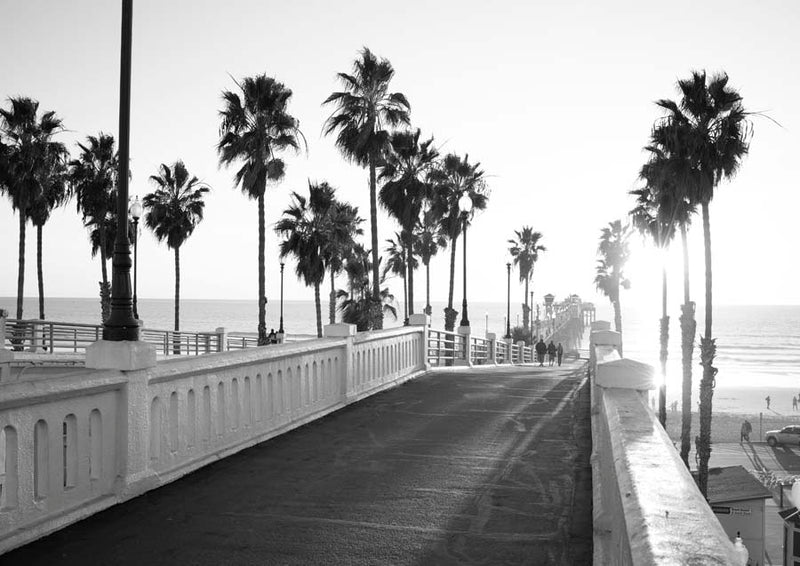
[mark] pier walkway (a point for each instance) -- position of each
(460, 466)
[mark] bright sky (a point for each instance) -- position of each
(555, 99)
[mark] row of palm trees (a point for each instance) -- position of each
(699, 141)
(419, 188)
(38, 176)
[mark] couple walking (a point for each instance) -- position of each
(553, 352)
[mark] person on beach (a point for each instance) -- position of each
(794, 403)
(551, 354)
(560, 353)
(767, 399)
(541, 350)
(747, 428)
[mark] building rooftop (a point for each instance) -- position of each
(733, 483)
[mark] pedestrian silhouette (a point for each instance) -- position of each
(560, 353)
(767, 399)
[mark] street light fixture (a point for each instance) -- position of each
(280, 327)
(508, 302)
(135, 211)
(465, 206)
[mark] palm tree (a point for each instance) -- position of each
(713, 129)
(55, 193)
(363, 112)
(613, 252)
(29, 153)
(356, 303)
(664, 174)
(405, 170)
(93, 176)
(173, 211)
(306, 229)
(400, 262)
(345, 225)
(255, 127)
(428, 241)
(453, 178)
(525, 251)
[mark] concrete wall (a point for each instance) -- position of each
(74, 445)
(647, 508)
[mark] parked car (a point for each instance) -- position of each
(786, 435)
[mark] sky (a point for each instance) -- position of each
(554, 99)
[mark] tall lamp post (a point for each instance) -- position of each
(465, 206)
(530, 316)
(121, 325)
(508, 302)
(135, 211)
(280, 327)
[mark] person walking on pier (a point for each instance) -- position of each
(560, 353)
(551, 354)
(541, 350)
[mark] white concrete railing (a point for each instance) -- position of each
(647, 508)
(73, 445)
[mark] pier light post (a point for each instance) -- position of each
(280, 327)
(135, 211)
(465, 206)
(508, 302)
(530, 315)
(121, 324)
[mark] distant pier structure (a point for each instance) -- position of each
(588, 314)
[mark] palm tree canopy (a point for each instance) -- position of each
(94, 178)
(344, 227)
(175, 208)
(430, 238)
(254, 128)
(710, 127)
(614, 253)
(28, 153)
(405, 170)
(525, 250)
(365, 109)
(452, 178)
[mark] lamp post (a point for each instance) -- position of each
(465, 206)
(508, 302)
(280, 327)
(121, 325)
(530, 313)
(135, 211)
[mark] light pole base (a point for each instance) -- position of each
(122, 355)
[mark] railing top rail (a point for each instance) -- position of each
(386, 333)
(45, 322)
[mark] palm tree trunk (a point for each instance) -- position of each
(262, 302)
(377, 311)
(318, 305)
(428, 287)
(450, 313)
(332, 304)
(39, 271)
(662, 390)
(708, 350)
(618, 321)
(688, 327)
(526, 309)
(176, 342)
(20, 273)
(409, 248)
(405, 295)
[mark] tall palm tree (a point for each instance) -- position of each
(356, 302)
(345, 225)
(27, 164)
(405, 171)
(400, 262)
(665, 175)
(364, 111)
(173, 211)
(454, 177)
(610, 276)
(428, 241)
(255, 127)
(93, 176)
(713, 129)
(306, 229)
(55, 193)
(525, 251)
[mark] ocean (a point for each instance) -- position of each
(757, 346)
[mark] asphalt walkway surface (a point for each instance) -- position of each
(482, 466)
